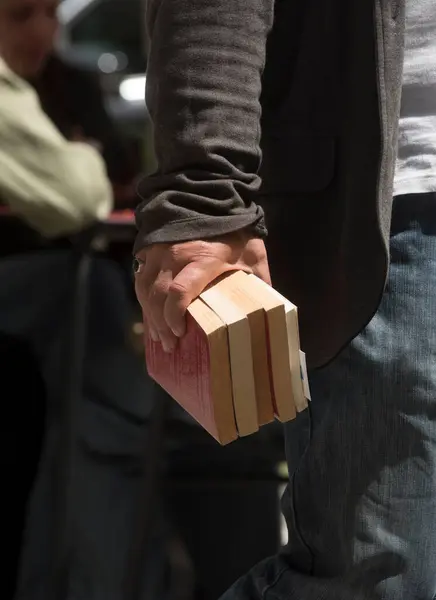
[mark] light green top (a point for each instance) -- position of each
(58, 187)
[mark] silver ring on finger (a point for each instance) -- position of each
(137, 265)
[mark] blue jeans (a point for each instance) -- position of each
(361, 501)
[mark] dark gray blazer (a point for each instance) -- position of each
(324, 90)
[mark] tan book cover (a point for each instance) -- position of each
(233, 287)
(240, 362)
(284, 342)
(241, 359)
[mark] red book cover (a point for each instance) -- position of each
(197, 376)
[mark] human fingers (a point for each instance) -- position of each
(188, 285)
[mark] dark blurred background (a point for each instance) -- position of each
(107, 38)
(112, 492)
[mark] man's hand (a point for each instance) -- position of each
(171, 276)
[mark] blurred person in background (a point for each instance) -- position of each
(58, 186)
(113, 423)
(70, 96)
(73, 99)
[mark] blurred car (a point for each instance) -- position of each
(107, 37)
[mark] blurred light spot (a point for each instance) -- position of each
(108, 63)
(132, 89)
(138, 328)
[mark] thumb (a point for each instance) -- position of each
(185, 287)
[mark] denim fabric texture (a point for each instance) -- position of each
(361, 500)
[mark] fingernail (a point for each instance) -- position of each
(179, 331)
(153, 335)
(167, 346)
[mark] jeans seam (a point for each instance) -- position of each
(299, 532)
(293, 498)
(270, 586)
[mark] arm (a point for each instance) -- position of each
(58, 187)
(199, 218)
(203, 87)
(95, 123)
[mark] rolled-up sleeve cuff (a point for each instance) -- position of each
(199, 227)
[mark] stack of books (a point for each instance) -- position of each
(239, 365)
